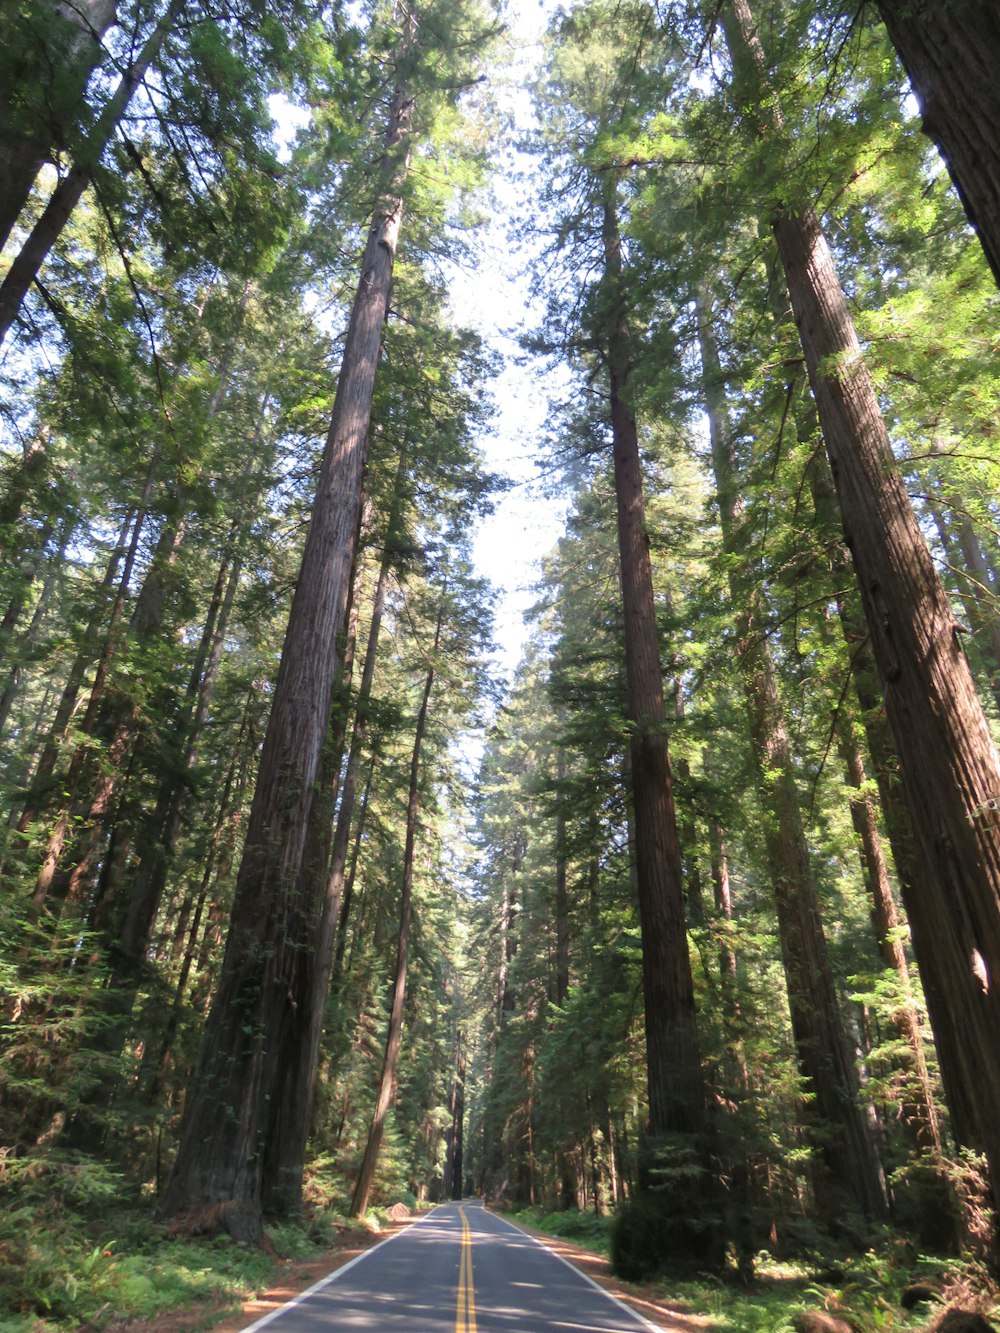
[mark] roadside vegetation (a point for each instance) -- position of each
(889, 1286)
(80, 1250)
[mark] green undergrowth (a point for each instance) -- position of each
(588, 1229)
(73, 1253)
(862, 1292)
(865, 1288)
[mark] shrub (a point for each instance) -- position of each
(653, 1234)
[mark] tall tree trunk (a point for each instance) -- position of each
(455, 1163)
(723, 898)
(915, 876)
(919, 1109)
(130, 918)
(154, 1067)
(676, 1090)
(562, 896)
(218, 1167)
(41, 781)
(728, 963)
(948, 763)
(126, 920)
(347, 898)
(116, 730)
(158, 839)
(505, 997)
(936, 1192)
(291, 1112)
(64, 38)
(950, 50)
(62, 827)
(972, 573)
(67, 194)
(917, 1102)
(23, 649)
(394, 1036)
(823, 1050)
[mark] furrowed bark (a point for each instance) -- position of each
(950, 50)
(673, 1067)
(675, 1081)
(292, 1113)
(217, 1174)
(949, 766)
(919, 1110)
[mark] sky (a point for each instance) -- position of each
(492, 297)
(510, 544)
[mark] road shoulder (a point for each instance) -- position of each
(301, 1276)
(671, 1316)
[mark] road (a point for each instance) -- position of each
(460, 1269)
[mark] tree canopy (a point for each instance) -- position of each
(691, 921)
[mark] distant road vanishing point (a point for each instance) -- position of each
(460, 1269)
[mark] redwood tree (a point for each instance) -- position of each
(394, 1034)
(676, 1093)
(824, 1054)
(951, 51)
(218, 1167)
(602, 57)
(949, 767)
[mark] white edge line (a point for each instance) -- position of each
(579, 1272)
(332, 1277)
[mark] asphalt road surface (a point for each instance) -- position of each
(458, 1270)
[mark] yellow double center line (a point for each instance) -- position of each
(465, 1311)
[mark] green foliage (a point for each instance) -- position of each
(586, 1228)
(656, 1231)
(76, 1249)
(304, 1238)
(865, 1287)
